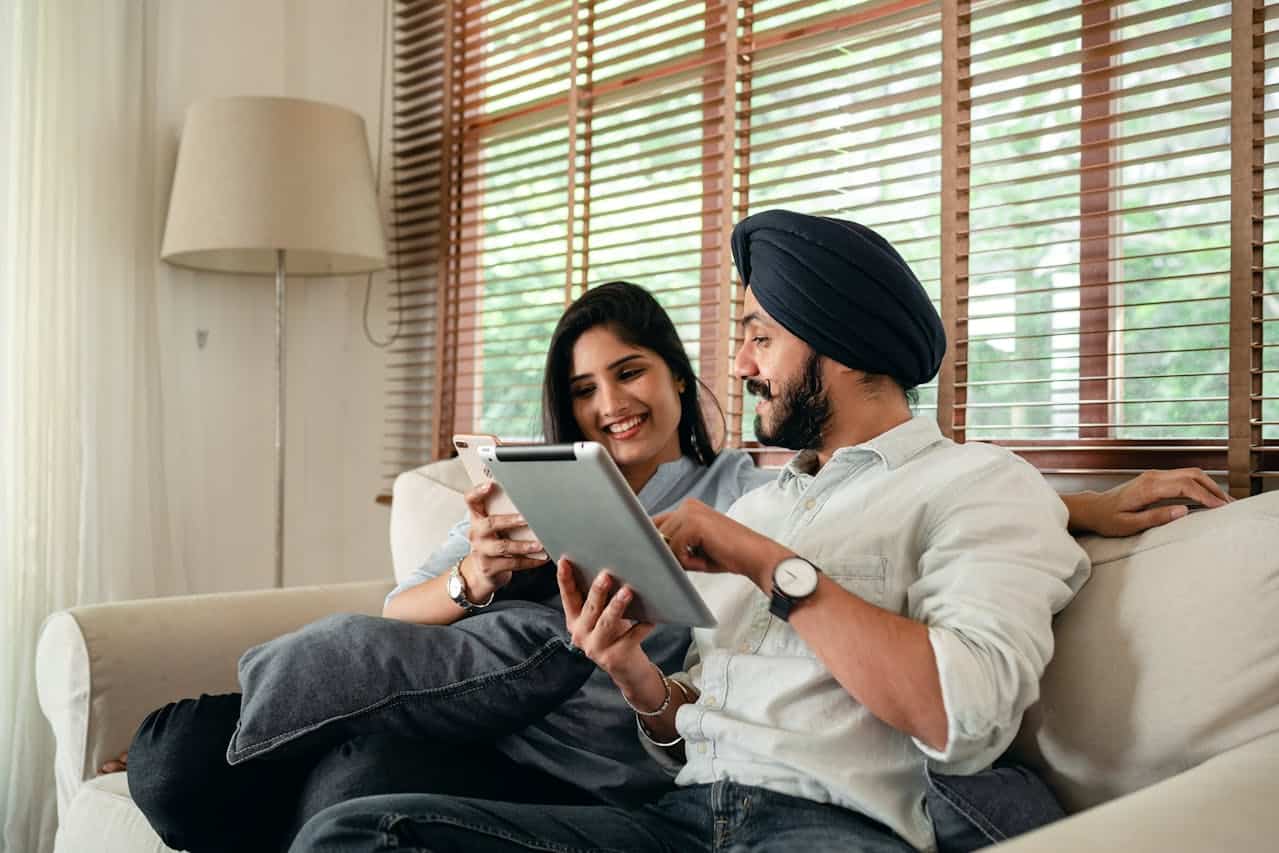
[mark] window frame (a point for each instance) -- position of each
(1242, 455)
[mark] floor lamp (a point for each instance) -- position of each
(269, 185)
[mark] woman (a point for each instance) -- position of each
(616, 373)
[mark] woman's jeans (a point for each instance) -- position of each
(723, 816)
(180, 778)
(196, 801)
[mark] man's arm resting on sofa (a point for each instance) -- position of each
(1226, 803)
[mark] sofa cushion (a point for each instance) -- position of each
(1167, 657)
(103, 818)
(425, 503)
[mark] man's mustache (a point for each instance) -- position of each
(762, 390)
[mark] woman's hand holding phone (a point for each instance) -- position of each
(495, 555)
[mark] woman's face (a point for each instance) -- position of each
(625, 398)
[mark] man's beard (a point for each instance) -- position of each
(802, 411)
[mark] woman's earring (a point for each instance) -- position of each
(679, 387)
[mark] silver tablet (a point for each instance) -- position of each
(580, 507)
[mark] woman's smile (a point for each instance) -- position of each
(626, 429)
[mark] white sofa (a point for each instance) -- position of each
(1158, 726)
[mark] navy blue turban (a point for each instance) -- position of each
(843, 290)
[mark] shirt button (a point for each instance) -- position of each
(710, 701)
(810, 503)
(744, 647)
(701, 748)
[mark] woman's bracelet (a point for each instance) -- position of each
(666, 703)
(654, 741)
(688, 697)
(683, 688)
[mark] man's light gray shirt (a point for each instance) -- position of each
(966, 539)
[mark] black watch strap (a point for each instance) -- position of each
(781, 605)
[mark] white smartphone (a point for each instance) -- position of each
(499, 502)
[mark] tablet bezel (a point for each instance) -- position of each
(581, 507)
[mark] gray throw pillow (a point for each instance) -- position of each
(348, 675)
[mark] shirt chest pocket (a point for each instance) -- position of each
(864, 575)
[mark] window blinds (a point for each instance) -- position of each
(1080, 186)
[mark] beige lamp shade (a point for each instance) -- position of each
(258, 175)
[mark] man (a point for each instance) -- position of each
(885, 604)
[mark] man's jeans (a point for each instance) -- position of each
(723, 816)
(972, 812)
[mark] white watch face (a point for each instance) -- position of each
(795, 577)
(455, 588)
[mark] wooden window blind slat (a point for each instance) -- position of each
(1061, 176)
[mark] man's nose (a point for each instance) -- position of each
(743, 364)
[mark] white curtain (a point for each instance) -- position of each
(83, 510)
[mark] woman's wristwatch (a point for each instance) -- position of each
(457, 590)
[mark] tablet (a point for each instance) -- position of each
(581, 508)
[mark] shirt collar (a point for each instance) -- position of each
(895, 447)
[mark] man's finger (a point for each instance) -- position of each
(1186, 483)
(1197, 493)
(570, 595)
(1211, 486)
(1136, 522)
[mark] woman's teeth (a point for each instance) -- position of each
(626, 425)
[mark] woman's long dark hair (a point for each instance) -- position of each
(631, 313)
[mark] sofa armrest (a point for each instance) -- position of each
(101, 669)
(1225, 803)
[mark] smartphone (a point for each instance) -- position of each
(498, 503)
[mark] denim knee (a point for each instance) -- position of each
(342, 828)
(174, 761)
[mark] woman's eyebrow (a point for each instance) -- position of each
(612, 366)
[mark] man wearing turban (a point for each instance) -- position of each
(884, 605)
(843, 291)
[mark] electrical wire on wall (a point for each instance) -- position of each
(385, 71)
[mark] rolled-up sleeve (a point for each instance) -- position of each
(997, 564)
(455, 546)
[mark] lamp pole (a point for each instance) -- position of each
(279, 418)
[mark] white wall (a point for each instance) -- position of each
(219, 399)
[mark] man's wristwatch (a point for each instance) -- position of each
(794, 579)
(457, 590)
